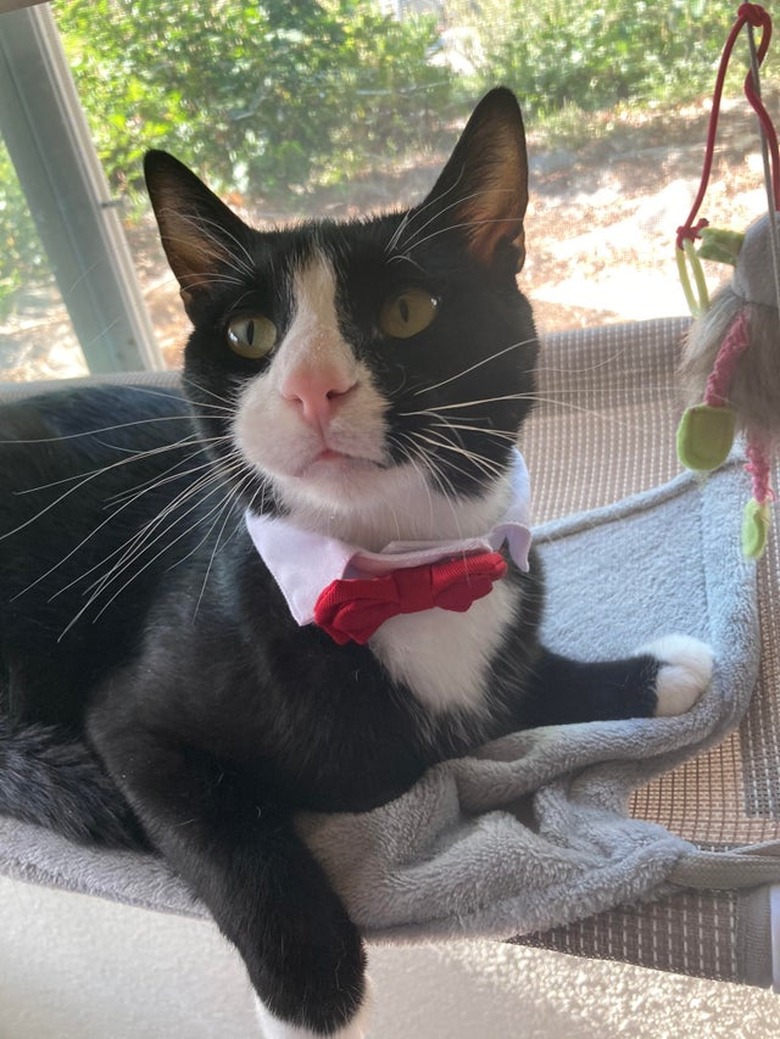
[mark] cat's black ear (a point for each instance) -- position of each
(484, 186)
(200, 235)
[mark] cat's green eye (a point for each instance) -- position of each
(253, 336)
(407, 313)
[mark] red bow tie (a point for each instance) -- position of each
(355, 608)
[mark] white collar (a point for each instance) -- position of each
(304, 562)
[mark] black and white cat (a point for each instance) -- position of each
(356, 391)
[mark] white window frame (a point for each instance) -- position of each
(46, 133)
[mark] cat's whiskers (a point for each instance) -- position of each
(224, 406)
(448, 489)
(570, 371)
(169, 475)
(435, 415)
(399, 257)
(130, 497)
(133, 576)
(83, 478)
(201, 226)
(532, 398)
(441, 481)
(415, 240)
(86, 273)
(470, 403)
(262, 490)
(201, 281)
(444, 443)
(485, 360)
(225, 403)
(413, 213)
(395, 236)
(93, 474)
(442, 422)
(484, 465)
(228, 507)
(389, 519)
(142, 542)
(412, 456)
(500, 434)
(455, 227)
(94, 432)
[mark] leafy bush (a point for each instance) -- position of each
(594, 54)
(258, 97)
(21, 257)
(268, 97)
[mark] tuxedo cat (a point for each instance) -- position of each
(310, 581)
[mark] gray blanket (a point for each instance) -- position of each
(531, 831)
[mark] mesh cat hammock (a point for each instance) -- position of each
(532, 835)
(633, 548)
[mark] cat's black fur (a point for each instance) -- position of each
(173, 700)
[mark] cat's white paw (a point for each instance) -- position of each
(273, 1028)
(685, 672)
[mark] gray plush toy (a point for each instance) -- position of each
(731, 362)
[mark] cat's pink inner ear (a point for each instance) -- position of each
(483, 189)
(196, 228)
(193, 254)
(495, 210)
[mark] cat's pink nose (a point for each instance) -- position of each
(317, 390)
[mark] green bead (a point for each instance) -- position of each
(755, 529)
(705, 436)
(718, 244)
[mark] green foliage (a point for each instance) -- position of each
(256, 96)
(259, 98)
(595, 54)
(21, 257)
(265, 98)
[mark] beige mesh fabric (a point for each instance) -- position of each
(606, 416)
(605, 428)
(696, 934)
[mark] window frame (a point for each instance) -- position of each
(48, 139)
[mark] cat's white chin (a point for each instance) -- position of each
(352, 496)
(371, 504)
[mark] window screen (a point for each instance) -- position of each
(339, 107)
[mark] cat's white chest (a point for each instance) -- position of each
(445, 658)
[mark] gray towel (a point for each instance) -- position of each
(531, 831)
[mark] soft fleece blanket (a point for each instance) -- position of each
(530, 832)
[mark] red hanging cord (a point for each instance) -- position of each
(756, 16)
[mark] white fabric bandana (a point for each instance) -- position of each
(303, 562)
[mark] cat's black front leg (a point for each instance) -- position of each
(664, 678)
(239, 853)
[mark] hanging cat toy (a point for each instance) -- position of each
(731, 359)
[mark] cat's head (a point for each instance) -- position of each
(363, 376)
